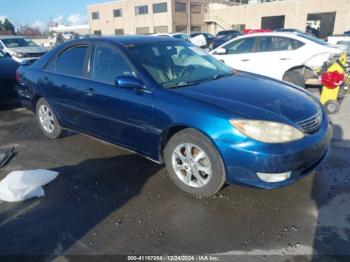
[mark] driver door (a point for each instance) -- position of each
(119, 115)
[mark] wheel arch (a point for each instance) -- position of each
(171, 131)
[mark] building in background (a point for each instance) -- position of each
(320, 17)
(146, 16)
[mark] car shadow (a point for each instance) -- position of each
(76, 202)
(332, 235)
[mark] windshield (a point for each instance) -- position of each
(313, 39)
(17, 42)
(175, 64)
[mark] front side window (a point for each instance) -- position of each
(117, 12)
(241, 46)
(141, 10)
(72, 61)
(95, 15)
(108, 64)
(2, 55)
(160, 8)
(177, 64)
(180, 7)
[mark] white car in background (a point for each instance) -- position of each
(292, 57)
(20, 49)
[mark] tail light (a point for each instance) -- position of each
(332, 79)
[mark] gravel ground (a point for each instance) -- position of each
(108, 201)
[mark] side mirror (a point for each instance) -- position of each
(129, 82)
(220, 51)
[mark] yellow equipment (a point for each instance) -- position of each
(334, 90)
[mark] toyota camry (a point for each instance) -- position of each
(177, 105)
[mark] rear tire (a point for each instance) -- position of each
(47, 120)
(294, 77)
(194, 164)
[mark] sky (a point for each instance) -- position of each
(39, 12)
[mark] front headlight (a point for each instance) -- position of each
(19, 54)
(267, 132)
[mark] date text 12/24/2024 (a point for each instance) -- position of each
(173, 258)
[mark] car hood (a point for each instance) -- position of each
(28, 49)
(255, 97)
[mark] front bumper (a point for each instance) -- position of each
(243, 161)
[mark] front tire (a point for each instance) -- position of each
(47, 120)
(194, 164)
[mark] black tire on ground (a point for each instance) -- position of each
(295, 78)
(57, 130)
(332, 106)
(218, 176)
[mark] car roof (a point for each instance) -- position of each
(127, 40)
(10, 36)
(286, 34)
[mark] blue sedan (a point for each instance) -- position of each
(175, 104)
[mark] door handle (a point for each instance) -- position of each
(245, 60)
(89, 91)
(284, 58)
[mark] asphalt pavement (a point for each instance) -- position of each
(108, 201)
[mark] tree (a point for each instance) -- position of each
(7, 28)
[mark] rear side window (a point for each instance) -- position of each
(108, 64)
(71, 62)
(241, 46)
(273, 43)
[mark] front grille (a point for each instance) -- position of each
(34, 54)
(311, 124)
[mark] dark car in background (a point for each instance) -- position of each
(8, 69)
(224, 36)
(171, 102)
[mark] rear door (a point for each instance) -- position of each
(240, 54)
(62, 85)
(275, 55)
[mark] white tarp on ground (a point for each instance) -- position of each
(22, 185)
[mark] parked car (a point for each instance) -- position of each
(254, 31)
(289, 30)
(209, 124)
(8, 69)
(224, 36)
(180, 36)
(21, 50)
(209, 38)
(284, 56)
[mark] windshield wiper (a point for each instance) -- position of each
(182, 84)
(217, 76)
